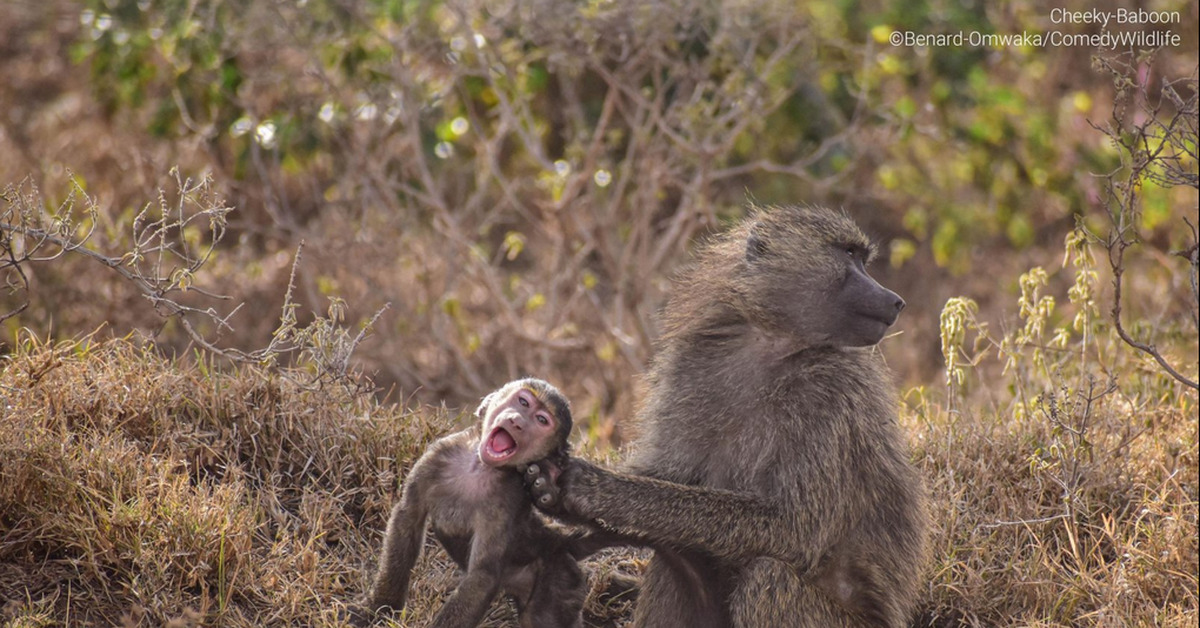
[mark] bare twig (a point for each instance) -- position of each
(1157, 144)
(162, 262)
(1023, 522)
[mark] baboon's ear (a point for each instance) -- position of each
(487, 402)
(756, 245)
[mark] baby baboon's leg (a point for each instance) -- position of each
(558, 595)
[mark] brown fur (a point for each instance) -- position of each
(480, 514)
(770, 478)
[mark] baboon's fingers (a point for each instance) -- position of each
(545, 494)
(532, 472)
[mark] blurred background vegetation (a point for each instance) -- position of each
(518, 180)
(506, 187)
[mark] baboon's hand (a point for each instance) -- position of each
(542, 481)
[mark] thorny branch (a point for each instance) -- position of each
(1156, 139)
(163, 258)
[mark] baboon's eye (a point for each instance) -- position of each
(543, 419)
(523, 401)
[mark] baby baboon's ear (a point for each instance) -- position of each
(487, 402)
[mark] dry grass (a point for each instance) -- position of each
(136, 490)
(1097, 535)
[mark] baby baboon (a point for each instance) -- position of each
(770, 476)
(466, 486)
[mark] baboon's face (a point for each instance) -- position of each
(522, 423)
(810, 276)
(862, 309)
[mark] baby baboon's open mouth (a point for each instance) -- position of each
(500, 444)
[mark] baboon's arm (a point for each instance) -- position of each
(402, 542)
(729, 525)
(583, 543)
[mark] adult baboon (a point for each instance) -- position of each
(770, 477)
(466, 486)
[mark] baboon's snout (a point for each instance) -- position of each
(889, 305)
(880, 303)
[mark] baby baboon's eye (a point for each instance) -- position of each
(523, 401)
(543, 419)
